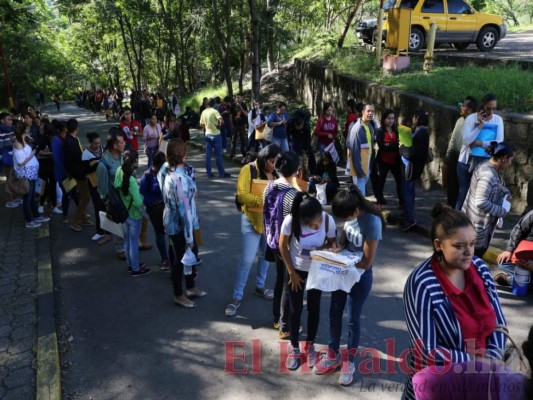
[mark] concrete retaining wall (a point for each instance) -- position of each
(315, 84)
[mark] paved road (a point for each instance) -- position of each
(122, 338)
(515, 46)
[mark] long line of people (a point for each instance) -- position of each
(451, 303)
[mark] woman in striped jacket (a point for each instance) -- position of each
(451, 303)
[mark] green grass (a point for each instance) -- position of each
(194, 100)
(449, 84)
(520, 28)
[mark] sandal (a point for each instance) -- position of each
(231, 308)
(502, 279)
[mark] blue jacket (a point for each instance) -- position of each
(58, 157)
(358, 140)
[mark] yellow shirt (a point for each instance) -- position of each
(248, 200)
(209, 119)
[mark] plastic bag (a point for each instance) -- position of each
(334, 271)
(321, 193)
(188, 260)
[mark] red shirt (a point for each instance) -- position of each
(324, 128)
(389, 157)
(471, 306)
(132, 140)
(350, 118)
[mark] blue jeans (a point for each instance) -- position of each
(150, 151)
(356, 300)
(251, 242)
(225, 131)
(463, 181)
(132, 228)
(282, 143)
(508, 268)
(213, 143)
(361, 184)
(29, 205)
(409, 199)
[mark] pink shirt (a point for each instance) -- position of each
(151, 135)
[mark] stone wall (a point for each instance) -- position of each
(315, 84)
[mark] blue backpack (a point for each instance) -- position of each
(273, 214)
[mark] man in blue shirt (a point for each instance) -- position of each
(278, 122)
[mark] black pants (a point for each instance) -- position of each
(296, 302)
(239, 132)
(452, 186)
(383, 170)
(374, 178)
(98, 205)
(280, 304)
(179, 244)
(47, 175)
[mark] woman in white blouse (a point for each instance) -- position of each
(26, 166)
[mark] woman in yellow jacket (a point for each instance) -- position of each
(252, 237)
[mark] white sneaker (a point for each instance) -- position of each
(326, 365)
(347, 371)
(57, 211)
(12, 204)
(42, 219)
(97, 236)
(41, 209)
(32, 224)
(18, 201)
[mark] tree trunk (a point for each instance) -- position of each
(136, 83)
(224, 41)
(269, 26)
(348, 24)
(256, 51)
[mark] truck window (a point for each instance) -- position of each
(458, 7)
(433, 6)
(408, 3)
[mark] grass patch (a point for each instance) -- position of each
(520, 28)
(194, 100)
(449, 84)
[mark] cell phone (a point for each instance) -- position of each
(483, 113)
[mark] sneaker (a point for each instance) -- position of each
(225, 175)
(97, 236)
(75, 227)
(327, 365)
(210, 175)
(275, 325)
(284, 335)
(165, 265)
(121, 255)
(106, 238)
(12, 204)
(42, 219)
(87, 222)
(32, 224)
(195, 292)
(293, 359)
(311, 355)
(347, 371)
(57, 211)
(267, 294)
(18, 201)
(142, 271)
(146, 246)
(141, 265)
(40, 209)
(406, 225)
(183, 301)
(231, 308)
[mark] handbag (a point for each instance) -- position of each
(259, 133)
(513, 356)
(17, 186)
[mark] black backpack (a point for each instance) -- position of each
(116, 209)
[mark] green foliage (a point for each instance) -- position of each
(194, 100)
(446, 83)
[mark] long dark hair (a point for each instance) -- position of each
(266, 153)
(304, 210)
(128, 168)
(347, 201)
(384, 116)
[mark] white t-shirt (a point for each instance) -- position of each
(309, 240)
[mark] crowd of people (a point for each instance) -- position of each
(451, 303)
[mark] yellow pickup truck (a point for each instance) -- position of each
(459, 24)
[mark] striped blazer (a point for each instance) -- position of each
(433, 327)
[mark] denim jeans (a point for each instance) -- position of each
(361, 184)
(282, 143)
(213, 143)
(463, 180)
(409, 199)
(29, 205)
(508, 268)
(356, 300)
(132, 228)
(251, 242)
(150, 151)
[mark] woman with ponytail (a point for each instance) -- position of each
(363, 225)
(488, 199)
(451, 303)
(127, 185)
(306, 228)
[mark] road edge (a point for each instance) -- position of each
(48, 385)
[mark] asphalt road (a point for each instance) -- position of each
(122, 338)
(514, 46)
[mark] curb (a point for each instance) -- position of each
(490, 257)
(48, 385)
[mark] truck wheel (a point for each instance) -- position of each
(487, 39)
(460, 46)
(416, 40)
